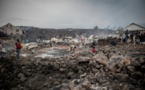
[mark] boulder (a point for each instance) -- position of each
(122, 77)
(115, 62)
(86, 53)
(141, 60)
(63, 70)
(136, 75)
(83, 59)
(20, 75)
(37, 82)
(135, 63)
(86, 84)
(101, 58)
(131, 68)
(143, 68)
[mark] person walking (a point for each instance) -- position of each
(18, 47)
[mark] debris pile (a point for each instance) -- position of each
(111, 68)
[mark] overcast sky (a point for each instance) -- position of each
(72, 13)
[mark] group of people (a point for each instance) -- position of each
(134, 37)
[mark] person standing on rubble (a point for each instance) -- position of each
(126, 35)
(134, 39)
(93, 44)
(94, 51)
(18, 47)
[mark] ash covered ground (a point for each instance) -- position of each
(56, 68)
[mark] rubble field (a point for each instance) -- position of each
(112, 68)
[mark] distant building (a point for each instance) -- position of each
(134, 27)
(11, 30)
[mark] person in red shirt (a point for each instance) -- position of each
(94, 50)
(18, 47)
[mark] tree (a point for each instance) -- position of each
(96, 28)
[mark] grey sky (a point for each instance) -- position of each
(72, 13)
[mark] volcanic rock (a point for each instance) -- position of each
(101, 58)
(131, 68)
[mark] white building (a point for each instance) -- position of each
(134, 27)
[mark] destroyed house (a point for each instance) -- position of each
(9, 29)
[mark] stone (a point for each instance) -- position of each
(132, 80)
(29, 70)
(75, 88)
(56, 87)
(141, 60)
(28, 73)
(135, 63)
(101, 58)
(83, 59)
(56, 82)
(131, 87)
(70, 75)
(86, 84)
(44, 88)
(136, 75)
(122, 77)
(125, 87)
(143, 67)
(23, 78)
(93, 87)
(131, 68)
(12, 88)
(115, 63)
(62, 70)
(98, 66)
(85, 53)
(83, 75)
(78, 81)
(20, 75)
(37, 82)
